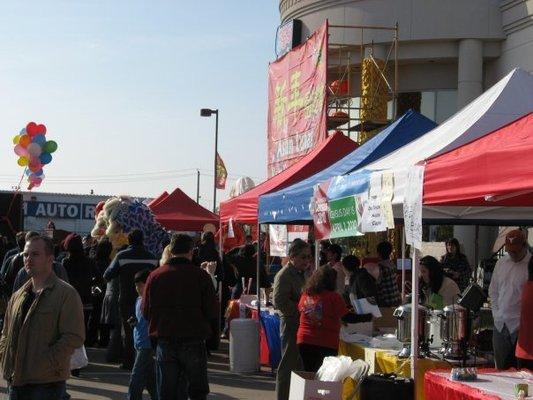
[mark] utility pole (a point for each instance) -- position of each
(198, 186)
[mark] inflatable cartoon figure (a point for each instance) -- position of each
(118, 216)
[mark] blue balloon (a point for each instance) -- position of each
(40, 139)
(45, 158)
(39, 173)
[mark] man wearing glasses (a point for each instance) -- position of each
(288, 285)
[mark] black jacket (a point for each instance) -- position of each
(125, 265)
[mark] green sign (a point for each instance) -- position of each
(343, 217)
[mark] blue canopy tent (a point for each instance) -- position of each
(291, 205)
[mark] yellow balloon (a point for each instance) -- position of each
(23, 161)
(16, 139)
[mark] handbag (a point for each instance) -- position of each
(79, 359)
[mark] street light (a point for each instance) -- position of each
(207, 112)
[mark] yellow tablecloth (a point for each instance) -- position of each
(386, 361)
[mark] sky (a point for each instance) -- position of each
(120, 84)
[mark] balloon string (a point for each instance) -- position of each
(16, 192)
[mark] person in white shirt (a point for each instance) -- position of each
(334, 256)
(505, 291)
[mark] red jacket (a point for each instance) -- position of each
(179, 300)
(524, 346)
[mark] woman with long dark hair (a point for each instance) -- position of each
(456, 264)
(321, 311)
(438, 290)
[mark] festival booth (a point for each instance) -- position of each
(471, 176)
(178, 212)
(243, 210)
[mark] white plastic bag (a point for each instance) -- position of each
(79, 358)
(336, 369)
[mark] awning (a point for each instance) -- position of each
(178, 212)
(291, 204)
(243, 208)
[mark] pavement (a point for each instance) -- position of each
(104, 381)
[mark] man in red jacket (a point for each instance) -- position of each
(179, 301)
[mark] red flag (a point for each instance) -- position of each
(222, 173)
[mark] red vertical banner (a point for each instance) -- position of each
(222, 173)
(297, 106)
(319, 208)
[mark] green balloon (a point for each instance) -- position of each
(50, 146)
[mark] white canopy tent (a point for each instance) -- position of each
(506, 101)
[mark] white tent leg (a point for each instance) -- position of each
(414, 317)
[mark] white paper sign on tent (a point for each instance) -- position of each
(387, 192)
(281, 236)
(412, 206)
(373, 219)
(278, 240)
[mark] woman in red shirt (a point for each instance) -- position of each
(524, 345)
(321, 310)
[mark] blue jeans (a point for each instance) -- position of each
(45, 391)
(143, 375)
(181, 370)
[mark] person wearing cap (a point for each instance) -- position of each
(505, 291)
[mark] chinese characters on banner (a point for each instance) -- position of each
(297, 107)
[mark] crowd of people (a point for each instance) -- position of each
(160, 315)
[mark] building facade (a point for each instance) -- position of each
(450, 50)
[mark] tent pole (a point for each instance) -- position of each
(414, 316)
(258, 269)
(403, 266)
(317, 254)
(476, 254)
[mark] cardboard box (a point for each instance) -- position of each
(387, 320)
(305, 387)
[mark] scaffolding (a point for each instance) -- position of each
(366, 113)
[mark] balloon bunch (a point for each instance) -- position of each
(34, 152)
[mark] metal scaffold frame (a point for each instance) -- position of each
(340, 56)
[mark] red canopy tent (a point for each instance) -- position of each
(494, 170)
(158, 199)
(243, 208)
(178, 212)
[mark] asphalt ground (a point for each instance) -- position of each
(104, 381)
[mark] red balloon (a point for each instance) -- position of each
(31, 129)
(41, 129)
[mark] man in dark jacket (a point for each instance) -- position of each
(179, 301)
(125, 265)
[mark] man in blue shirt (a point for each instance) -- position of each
(143, 373)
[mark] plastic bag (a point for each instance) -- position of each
(336, 369)
(79, 358)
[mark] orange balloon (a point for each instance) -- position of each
(24, 141)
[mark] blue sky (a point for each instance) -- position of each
(119, 85)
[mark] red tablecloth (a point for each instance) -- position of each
(438, 386)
